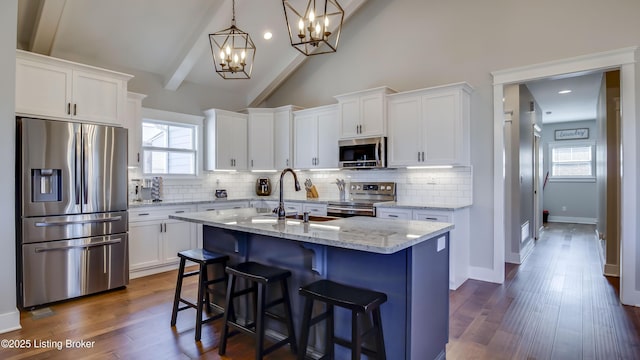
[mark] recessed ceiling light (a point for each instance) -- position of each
(268, 35)
(564, 91)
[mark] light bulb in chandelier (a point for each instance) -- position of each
(309, 30)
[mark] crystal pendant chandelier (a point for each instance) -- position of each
(233, 51)
(315, 28)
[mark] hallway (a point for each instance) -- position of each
(556, 305)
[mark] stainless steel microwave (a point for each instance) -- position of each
(367, 153)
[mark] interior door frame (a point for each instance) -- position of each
(537, 191)
(625, 60)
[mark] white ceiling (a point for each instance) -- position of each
(580, 104)
(164, 37)
(169, 38)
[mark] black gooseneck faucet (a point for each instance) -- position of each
(280, 209)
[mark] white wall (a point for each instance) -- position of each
(9, 316)
(424, 43)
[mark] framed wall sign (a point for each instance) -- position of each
(572, 134)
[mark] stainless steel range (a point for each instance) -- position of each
(362, 196)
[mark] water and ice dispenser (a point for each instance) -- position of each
(46, 185)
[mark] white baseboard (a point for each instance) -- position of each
(526, 251)
(611, 270)
(573, 220)
(10, 321)
(485, 274)
(512, 258)
(133, 274)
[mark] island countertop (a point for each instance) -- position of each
(369, 234)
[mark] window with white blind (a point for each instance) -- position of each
(169, 148)
(572, 161)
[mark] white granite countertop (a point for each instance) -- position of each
(421, 206)
(358, 233)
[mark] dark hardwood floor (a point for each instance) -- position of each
(557, 305)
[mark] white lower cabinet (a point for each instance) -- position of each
(315, 209)
(394, 214)
(155, 240)
(459, 237)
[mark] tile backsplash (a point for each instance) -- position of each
(428, 186)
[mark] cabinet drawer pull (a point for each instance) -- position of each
(68, 108)
(179, 211)
(392, 216)
(75, 108)
(431, 218)
(143, 214)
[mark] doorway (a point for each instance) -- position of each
(623, 59)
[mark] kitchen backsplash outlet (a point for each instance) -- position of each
(428, 186)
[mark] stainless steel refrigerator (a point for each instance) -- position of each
(72, 201)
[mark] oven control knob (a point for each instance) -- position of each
(353, 187)
(357, 187)
(388, 187)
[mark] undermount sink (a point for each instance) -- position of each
(312, 217)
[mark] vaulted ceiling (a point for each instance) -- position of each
(169, 38)
(164, 37)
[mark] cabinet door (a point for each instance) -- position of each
(305, 141)
(240, 151)
(328, 134)
(231, 142)
(282, 144)
(177, 236)
(441, 129)
(372, 115)
(404, 131)
(98, 98)
(133, 122)
(349, 117)
(42, 89)
(261, 141)
(144, 244)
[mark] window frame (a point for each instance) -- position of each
(180, 120)
(573, 178)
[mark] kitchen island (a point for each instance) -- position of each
(407, 260)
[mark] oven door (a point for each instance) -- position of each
(341, 210)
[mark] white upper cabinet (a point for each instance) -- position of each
(261, 139)
(59, 89)
(429, 126)
(316, 133)
(133, 122)
(225, 140)
(283, 146)
(363, 113)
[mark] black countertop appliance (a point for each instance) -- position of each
(263, 187)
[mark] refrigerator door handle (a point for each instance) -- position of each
(78, 222)
(85, 144)
(83, 246)
(78, 166)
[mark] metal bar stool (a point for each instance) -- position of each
(259, 276)
(359, 301)
(203, 258)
